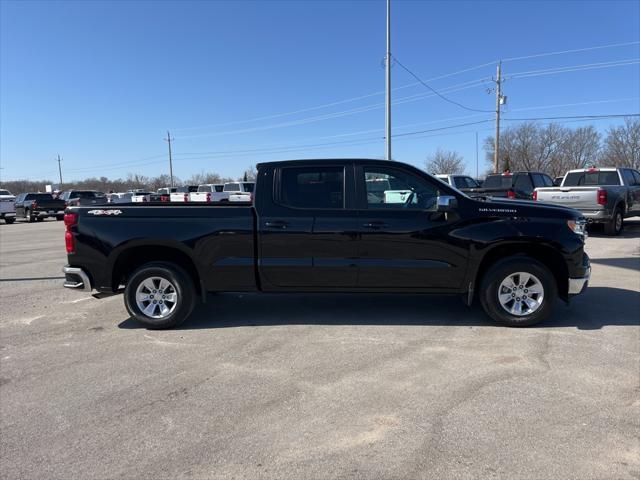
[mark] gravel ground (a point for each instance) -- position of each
(315, 386)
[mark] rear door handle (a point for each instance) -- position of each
(374, 225)
(281, 224)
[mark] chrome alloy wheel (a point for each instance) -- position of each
(521, 293)
(156, 297)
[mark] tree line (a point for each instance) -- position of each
(131, 182)
(553, 149)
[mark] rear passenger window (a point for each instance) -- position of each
(537, 180)
(628, 177)
(312, 187)
(636, 177)
(522, 183)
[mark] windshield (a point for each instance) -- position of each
(5, 192)
(498, 181)
(232, 187)
(576, 179)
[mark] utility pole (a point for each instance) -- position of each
(168, 140)
(498, 103)
(60, 171)
(477, 168)
(388, 82)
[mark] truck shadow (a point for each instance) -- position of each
(631, 263)
(598, 307)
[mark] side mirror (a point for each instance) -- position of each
(447, 203)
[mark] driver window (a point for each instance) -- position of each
(389, 188)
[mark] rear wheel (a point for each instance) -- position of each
(60, 218)
(614, 226)
(518, 291)
(39, 219)
(9, 220)
(30, 218)
(160, 295)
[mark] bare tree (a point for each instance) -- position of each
(529, 147)
(445, 161)
(622, 145)
(580, 149)
(250, 174)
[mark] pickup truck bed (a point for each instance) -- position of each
(314, 227)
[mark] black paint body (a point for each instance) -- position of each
(273, 248)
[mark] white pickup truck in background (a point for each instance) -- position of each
(7, 206)
(603, 195)
(182, 194)
(210, 192)
(239, 191)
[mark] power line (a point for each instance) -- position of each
(571, 68)
(327, 116)
(446, 75)
(575, 50)
(435, 91)
(586, 117)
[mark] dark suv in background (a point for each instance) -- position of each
(518, 185)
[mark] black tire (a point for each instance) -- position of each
(184, 288)
(9, 220)
(27, 214)
(39, 219)
(615, 225)
(501, 271)
(60, 218)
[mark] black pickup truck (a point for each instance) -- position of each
(38, 206)
(324, 226)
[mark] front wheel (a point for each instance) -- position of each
(518, 292)
(160, 295)
(9, 220)
(30, 218)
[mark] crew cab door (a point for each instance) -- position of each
(404, 242)
(307, 228)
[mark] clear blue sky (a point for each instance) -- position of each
(101, 82)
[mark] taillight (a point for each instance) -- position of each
(34, 205)
(208, 197)
(535, 195)
(186, 197)
(602, 196)
(144, 198)
(511, 194)
(70, 219)
(251, 197)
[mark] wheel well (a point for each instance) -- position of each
(548, 256)
(133, 258)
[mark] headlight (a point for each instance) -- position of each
(578, 227)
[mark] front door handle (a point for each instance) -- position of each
(281, 224)
(374, 225)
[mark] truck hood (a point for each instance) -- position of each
(524, 208)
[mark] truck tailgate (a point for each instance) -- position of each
(575, 197)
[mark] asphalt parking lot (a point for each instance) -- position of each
(315, 387)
